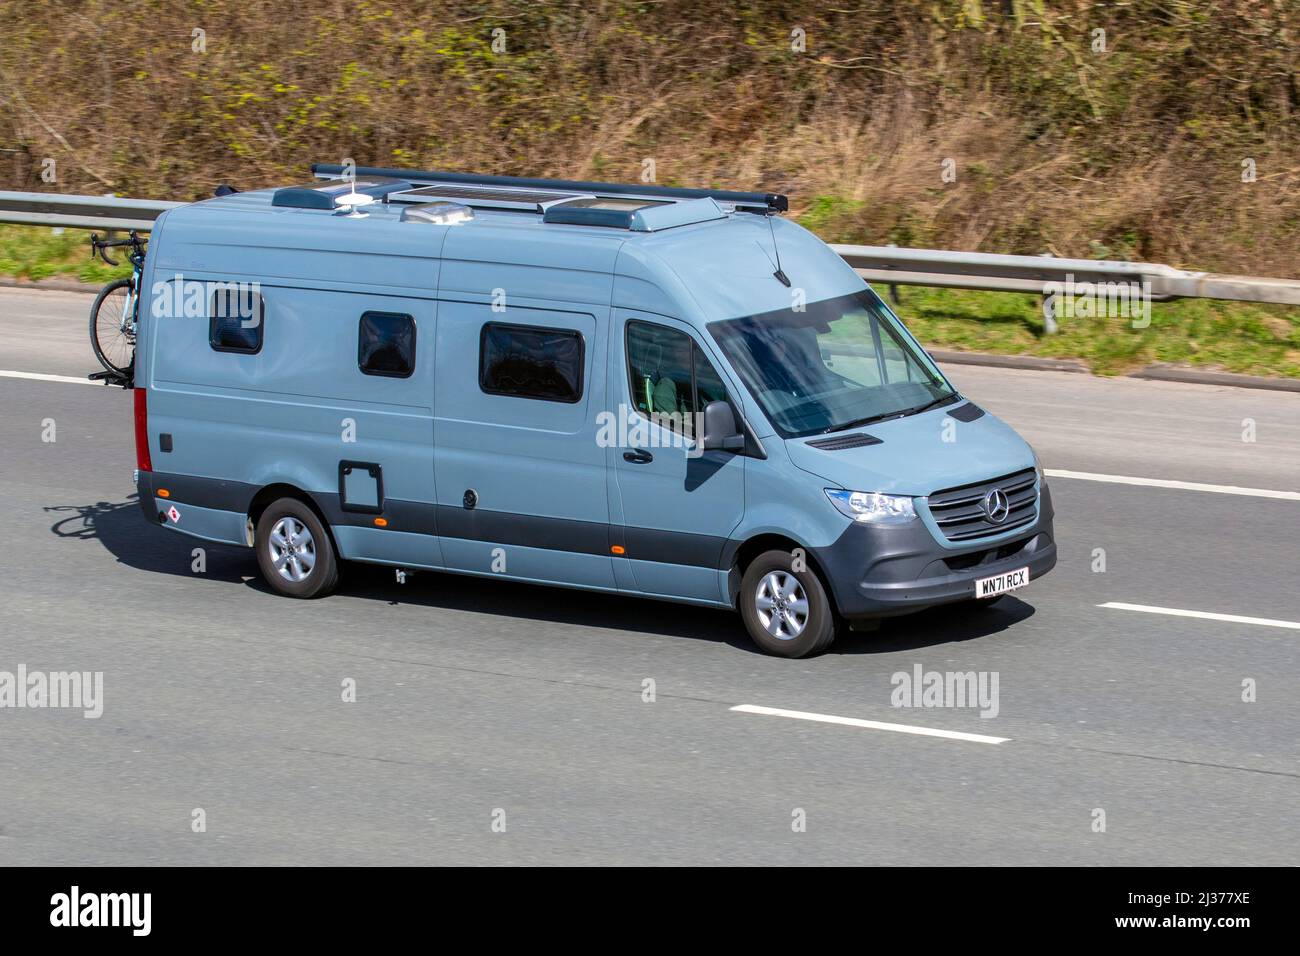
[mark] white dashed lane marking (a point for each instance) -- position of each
(1205, 615)
(1177, 485)
(868, 724)
(42, 377)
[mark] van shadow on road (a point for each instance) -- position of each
(123, 531)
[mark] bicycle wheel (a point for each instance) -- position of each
(112, 329)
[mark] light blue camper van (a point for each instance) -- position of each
(664, 393)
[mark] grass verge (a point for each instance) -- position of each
(38, 252)
(1238, 337)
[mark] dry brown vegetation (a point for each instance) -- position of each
(1133, 152)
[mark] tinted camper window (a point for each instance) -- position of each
(386, 344)
(530, 362)
(235, 319)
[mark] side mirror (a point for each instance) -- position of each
(720, 430)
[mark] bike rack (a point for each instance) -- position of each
(113, 378)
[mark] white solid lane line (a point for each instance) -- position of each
(1180, 485)
(1206, 615)
(41, 377)
(868, 724)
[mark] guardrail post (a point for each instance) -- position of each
(893, 286)
(1049, 308)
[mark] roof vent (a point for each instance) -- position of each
(614, 212)
(438, 213)
(638, 215)
(326, 195)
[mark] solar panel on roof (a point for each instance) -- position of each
(502, 197)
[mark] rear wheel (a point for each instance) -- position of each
(112, 326)
(294, 550)
(786, 611)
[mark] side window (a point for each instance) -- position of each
(235, 319)
(669, 373)
(386, 344)
(526, 361)
(659, 361)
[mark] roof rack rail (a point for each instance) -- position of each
(745, 201)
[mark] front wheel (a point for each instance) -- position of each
(294, 550)
(786, 611)
(112, 326)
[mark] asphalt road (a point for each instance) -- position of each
(480, 700)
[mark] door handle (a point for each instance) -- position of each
(638, 456)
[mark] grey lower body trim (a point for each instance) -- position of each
(456, 521)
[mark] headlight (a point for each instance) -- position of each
(1038, 467)
(872, 506)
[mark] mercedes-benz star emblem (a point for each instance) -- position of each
(996, 506)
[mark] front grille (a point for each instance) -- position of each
(961, 516)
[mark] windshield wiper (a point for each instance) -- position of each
(941, 400)
(870, 419)
(858, 422)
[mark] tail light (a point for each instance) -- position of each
(142, 461)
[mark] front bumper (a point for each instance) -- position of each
(885, 571)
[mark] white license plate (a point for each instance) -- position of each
(1001, 583)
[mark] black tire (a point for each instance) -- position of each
(819, 623)
(114, 347)
(322, 575)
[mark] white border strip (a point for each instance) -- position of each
(1181, 485)
(867, 724)
(1206, 615)
(40, 377)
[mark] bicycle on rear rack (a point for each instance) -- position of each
(114, 315)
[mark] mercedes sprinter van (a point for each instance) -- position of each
(656, 392)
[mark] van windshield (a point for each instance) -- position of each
(836, 364)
